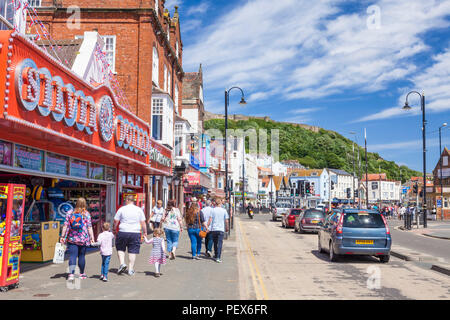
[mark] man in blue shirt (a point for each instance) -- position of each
(218, 225)
(207, 210)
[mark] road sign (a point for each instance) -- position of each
(439, 203)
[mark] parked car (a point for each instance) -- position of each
(309, 220)
(288, 219)
(279, 209)
(355, 232)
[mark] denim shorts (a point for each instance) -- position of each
(130, 240)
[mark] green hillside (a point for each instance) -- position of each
(325, 149)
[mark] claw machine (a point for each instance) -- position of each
(12, 202)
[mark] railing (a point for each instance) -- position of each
(5, 22)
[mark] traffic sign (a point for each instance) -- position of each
(439, 203)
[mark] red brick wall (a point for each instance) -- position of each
(135, 38)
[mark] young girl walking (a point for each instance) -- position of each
(158, 256)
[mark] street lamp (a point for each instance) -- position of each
(440, 165)
(424, 151)
(227, 101)
(353, 175)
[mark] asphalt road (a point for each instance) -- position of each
(277, 263)
(420, 243)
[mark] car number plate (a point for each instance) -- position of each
(364, 241)
(315, 221)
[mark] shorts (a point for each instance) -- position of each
(130, 240)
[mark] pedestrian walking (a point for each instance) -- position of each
(207, 210)
(77, 232)
(172, 223)
(131, 221)
(158, 256)
(218, 223)
(105, 241)
(194, 223)
(156, 215)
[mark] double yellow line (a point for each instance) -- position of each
(253, 266)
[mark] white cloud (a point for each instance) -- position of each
(435, 84)
(294, 50)
(171, 3)
(304, 110)
(199, 9)
(403, 145)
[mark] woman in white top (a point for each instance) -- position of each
(156, 215)
(172, 224)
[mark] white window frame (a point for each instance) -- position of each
(165, 78)
(176, 49)
(105, 39)
(169, 82)
(35, 3)
(168, 32)
(176, 98)
(155, 66)
(445, 161)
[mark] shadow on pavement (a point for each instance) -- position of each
(60, 275)
(347, 258)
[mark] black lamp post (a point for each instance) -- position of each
(227, 101)
(440, 165)
(424, 151)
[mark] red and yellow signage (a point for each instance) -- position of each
(47, 106)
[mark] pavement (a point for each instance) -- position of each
(428, 247)
(181, 279)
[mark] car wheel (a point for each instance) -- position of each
(319, 246)
(300, 230)
(385, 258)
(333, 256)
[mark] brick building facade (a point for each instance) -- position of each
(134, 28)
(144, 48)
(434, 191)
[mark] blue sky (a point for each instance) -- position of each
(340, 65)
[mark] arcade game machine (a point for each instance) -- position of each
(12, 202)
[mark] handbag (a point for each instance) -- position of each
(58, 257)
(201, 233)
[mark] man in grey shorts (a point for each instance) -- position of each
(132, 221)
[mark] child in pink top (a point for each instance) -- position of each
(105, 241)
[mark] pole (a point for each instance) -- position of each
(226, 158)
(243, 174)
(424, 199)
(359, 178)
(367, 183)
(329, 193)
(353, 176)
(440, 165)
(379, 178)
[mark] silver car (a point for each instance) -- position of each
(280, 209)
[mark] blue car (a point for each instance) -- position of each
(355, 232)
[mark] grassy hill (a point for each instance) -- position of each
(323, 149)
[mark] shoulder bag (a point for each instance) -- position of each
(201, 233)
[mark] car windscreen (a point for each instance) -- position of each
(363, 220)
(295, 212)
(314, 214)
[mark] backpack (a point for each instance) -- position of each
(76, 222)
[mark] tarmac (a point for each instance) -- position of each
(435, 229)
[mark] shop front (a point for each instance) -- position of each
(64, 139)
